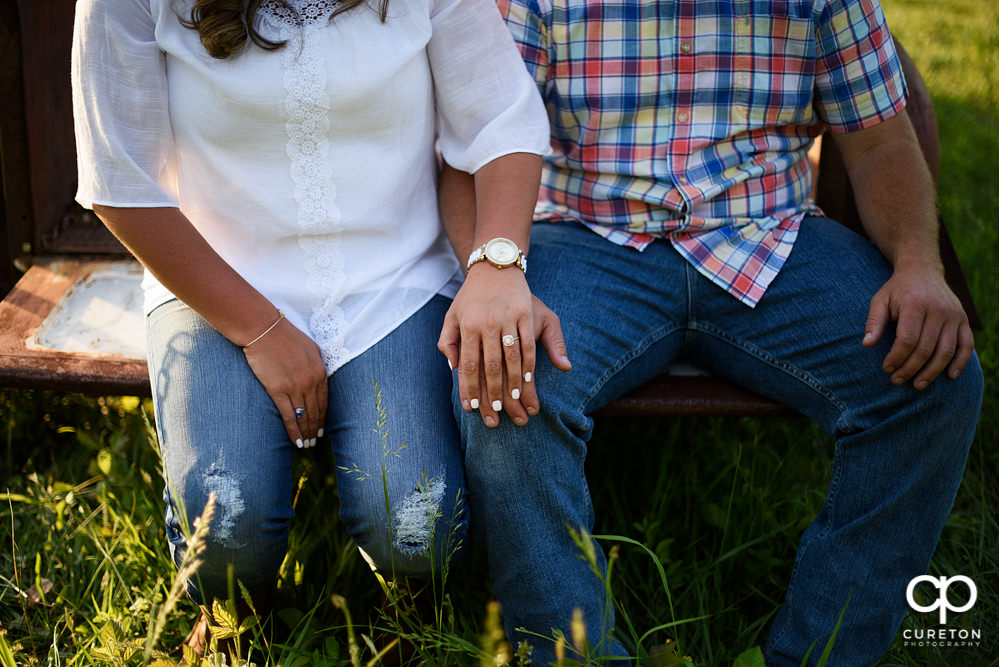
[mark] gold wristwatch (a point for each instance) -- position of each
(499, 252)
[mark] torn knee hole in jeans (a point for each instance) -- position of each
(414, 520)
(229, 503)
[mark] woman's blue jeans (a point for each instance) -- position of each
(899, 453)
(220, 432)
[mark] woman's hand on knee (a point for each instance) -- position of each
(489, 336)
(289, 366)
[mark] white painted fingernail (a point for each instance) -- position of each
(527, 376)
(474, 403)
(515, 393)
(450, 365)
(299, 443)
(321, 433)
(497, 405)
(312, 442)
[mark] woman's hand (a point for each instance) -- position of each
(493, 304)
(285, 360)
(289, 366)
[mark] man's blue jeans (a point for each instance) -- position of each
(219, 431)
(899, 454)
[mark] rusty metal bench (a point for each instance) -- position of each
(64, 251)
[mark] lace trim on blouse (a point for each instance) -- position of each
(307, 108)
(298, 13)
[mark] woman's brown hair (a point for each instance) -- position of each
(224, 26)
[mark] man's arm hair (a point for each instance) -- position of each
(897, 205)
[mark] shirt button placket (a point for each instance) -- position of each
(683, 117)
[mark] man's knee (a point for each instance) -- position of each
(955, 400)
(960, 398)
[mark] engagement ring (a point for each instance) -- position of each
(299, 412)
(509, 340)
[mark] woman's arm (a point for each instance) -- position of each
(285, 360)
(491, 123)
(126, 156)
(494, 302)
(458, 211)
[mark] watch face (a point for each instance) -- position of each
(502, 251)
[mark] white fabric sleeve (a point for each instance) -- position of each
(124, 142)
(487, 104)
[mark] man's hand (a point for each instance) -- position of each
(932, 331)
(547, 331)
(895, 197)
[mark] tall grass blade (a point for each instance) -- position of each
(6, 654)
(187, 569)
(832, 639)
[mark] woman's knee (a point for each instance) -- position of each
(252, 567)
(242, 529)
(419, 535)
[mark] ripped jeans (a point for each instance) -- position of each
(219, 431)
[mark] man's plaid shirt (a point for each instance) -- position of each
(691, 119)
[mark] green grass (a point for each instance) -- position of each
(713, 507)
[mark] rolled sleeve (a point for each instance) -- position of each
(487, 104)
(125, 147)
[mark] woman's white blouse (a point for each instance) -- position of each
(310, 169)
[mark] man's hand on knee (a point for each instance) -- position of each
(932, 331)
(548, 331)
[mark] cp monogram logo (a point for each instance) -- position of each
(942, 603)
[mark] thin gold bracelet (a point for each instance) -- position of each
(276, 322)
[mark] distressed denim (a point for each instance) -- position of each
(219, 431)
(898, 460)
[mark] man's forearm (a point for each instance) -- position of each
(896, 201)
(894, 192)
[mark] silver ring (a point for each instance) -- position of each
(299, 412)
(509, 339)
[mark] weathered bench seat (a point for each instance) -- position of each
(72, 321)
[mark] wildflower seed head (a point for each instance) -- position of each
(578, 630)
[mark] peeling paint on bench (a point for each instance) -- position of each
(99, 314)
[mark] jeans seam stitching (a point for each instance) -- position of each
(691, 304)
(830, 502)
(772, 361)
(633, 352)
